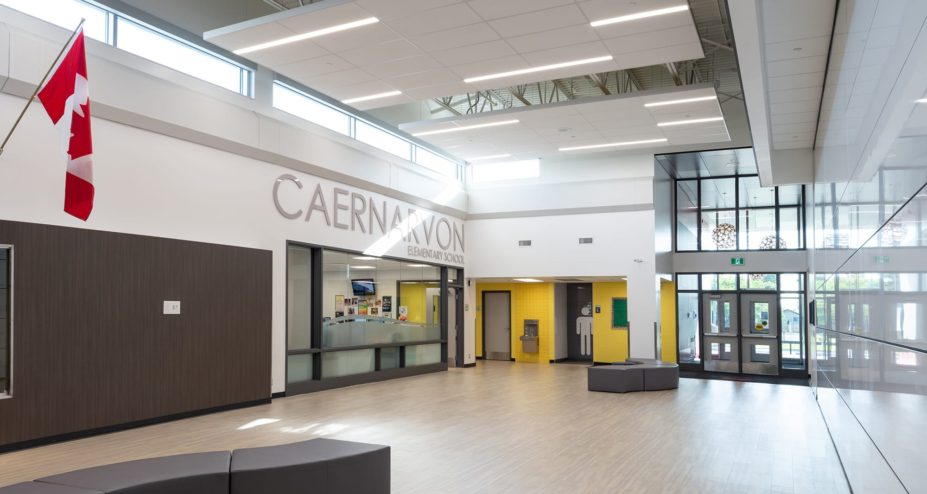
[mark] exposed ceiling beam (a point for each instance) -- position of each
(564, 89)
(718, 45)
(446, 105)
(595, 79)
(519, 93)
(277, 5)
(671, 67)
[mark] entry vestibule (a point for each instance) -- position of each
(742, 323)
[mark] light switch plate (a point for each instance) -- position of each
(172, 307)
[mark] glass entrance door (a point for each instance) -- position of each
(759, 331)
(719, 332)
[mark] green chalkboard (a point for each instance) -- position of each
(619, 312)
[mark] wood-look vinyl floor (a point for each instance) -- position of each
(511, 428)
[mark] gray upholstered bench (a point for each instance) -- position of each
(43, 488)
(197, 473)
(617, 378)
(658, 375)
(319, 465)
(633, 375)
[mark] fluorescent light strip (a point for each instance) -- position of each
(417, 265)
(310, 34)
(490, 157)
(680, 101)
(687, 122)
(639, 15)
(466, 127)
(613, 144)
(541, 68)
(371, 96)
(528, 280)
(922, 100)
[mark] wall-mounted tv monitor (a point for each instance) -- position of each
(363, 287)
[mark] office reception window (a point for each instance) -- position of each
(6, 340)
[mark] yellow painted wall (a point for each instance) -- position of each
(413, 297)
(668, 321)
(608, 345)
(529, 301)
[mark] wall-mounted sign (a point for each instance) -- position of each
(737, 261)
(371, 223)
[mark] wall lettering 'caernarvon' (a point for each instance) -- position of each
(427, 235)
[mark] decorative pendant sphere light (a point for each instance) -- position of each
(724, 236)
(769, 243)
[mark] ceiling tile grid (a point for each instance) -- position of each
(436, 44)
(541, 131)
(795, 54)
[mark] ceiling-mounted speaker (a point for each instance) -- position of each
(585, 240)
(524, 243)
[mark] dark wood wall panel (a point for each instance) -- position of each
(92, 348)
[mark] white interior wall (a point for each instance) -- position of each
(623, 245)
(178, 158)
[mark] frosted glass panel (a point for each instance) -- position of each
(423, 354)
(335, 364)
(298, 368)
(299, 282)
(389, 358)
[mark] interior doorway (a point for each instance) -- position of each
(497, 325)
(579, 322)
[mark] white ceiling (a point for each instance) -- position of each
(795, 52)
(425, 48)
(541, 130)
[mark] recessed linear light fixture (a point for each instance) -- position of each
(305, 36)
(680, 101)
(687, 122)
(613, 144)
(417, 265)
(364, 258)
(363, 267)
(922, 100)
(639, 15)
(528, 280)
(540, 68)
(371, 96)
(466, 127)
(490, 157)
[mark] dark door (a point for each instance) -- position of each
(579, 321)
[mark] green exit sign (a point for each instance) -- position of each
(882, 260)
(737, 261)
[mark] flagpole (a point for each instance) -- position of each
(39, 86)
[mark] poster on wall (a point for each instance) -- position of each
(374, 311)
(403, 313)
(339, 313)
(339, 304)
(387, 304)
(362, 308)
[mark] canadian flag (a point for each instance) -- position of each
(67, 101)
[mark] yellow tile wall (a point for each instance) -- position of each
(608, 345)
(529, 301)
(668, 321)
